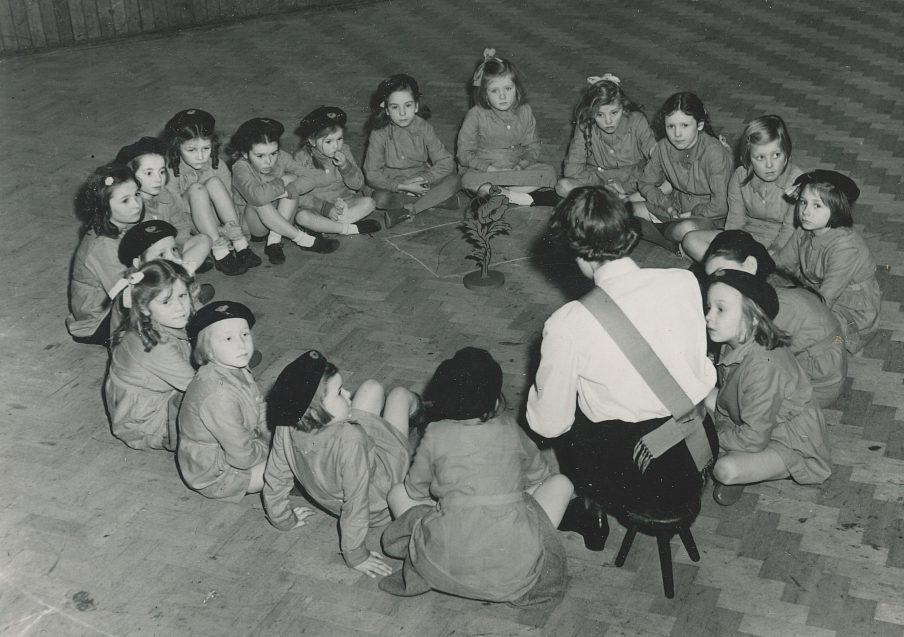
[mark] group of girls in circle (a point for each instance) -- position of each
(792, 289)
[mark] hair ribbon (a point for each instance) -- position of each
(124, 286)
(593, 79)
(488, 54)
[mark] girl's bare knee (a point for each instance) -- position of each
(725, 471)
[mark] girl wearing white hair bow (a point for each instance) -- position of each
(497, 142)
(150, 365)
(612, 140)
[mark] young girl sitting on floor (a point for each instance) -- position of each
(265, 189)
(769, 427)
(223, 438)
(696, 166)
(490, 533)
(497, 142)
(147, 159)
(814, 333)
(109, 204)
(612, 140)
(406, 163)
(826, 253)
(197, 176)
(334, 205)
(345, 451)
(150, 364)
(756, 190)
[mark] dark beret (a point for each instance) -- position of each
(193, 119)
(743, 243)
(753, 287)
(144, 146)
(215, 312)
(466, 385)
(142, 236)
(320, 118)
(845, 184)
(294, 389)
(257, 128)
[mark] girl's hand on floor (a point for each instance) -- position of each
(374, 565)
(301, 514)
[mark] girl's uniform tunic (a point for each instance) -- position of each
(144, 389)
(222, 432)
(348, 467)
(765, 402)
(396, 154)
(504, 139)
(699, 178)
(619, 156)
(329, 183)
(482, 540)
(816, 341)
(95, 270)
(760, 208)
(250, 187)
(839, 264)
(188, 176)
(170, 208)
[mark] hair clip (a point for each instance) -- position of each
(108, 181)
(488, 54)
(593, 79)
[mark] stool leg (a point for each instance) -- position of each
(689, 545)
(665, 563)
(625, 547)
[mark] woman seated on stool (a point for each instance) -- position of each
(580, 359)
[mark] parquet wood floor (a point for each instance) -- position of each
(100, 540)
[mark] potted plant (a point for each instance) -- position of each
(484, 219)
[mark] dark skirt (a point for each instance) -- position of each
(598, 458)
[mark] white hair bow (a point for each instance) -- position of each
(488, 54)
(124, 285)
(593, 79)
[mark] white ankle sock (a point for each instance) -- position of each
(273, 238)
(240, 245)
(519, 198)
(219, 252)
(350, 228)
(303, 239)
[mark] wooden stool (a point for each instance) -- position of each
(663, 525)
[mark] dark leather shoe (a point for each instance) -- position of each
(322, 245)
(206, 292)
(395, 216)
(590, 523)
(368, 226)
(230, 265)
(248, 259)
(727, 494)
(275, 253)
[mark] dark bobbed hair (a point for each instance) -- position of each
(595, 224)
(175, 136)
(159, 277)
(392, 84)
(316, 416)
(494, 68)
(837, 202)
(759, 131)
(250, 133)
(689, 104)
(93, 199)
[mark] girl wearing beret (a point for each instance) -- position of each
(406, 163)
(477, 512)
(693, 166)
(265, 189)
(346, 451)
(147, 159)
(497, 142)
(334, 204)
(150, 364)
(204, 184)
(814, 332)
(826, 253)
(110, 204)
(223, 437)
(769, 427)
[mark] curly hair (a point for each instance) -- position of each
(594, 96)
(93, 199)
(595, 224)
(158, 279)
